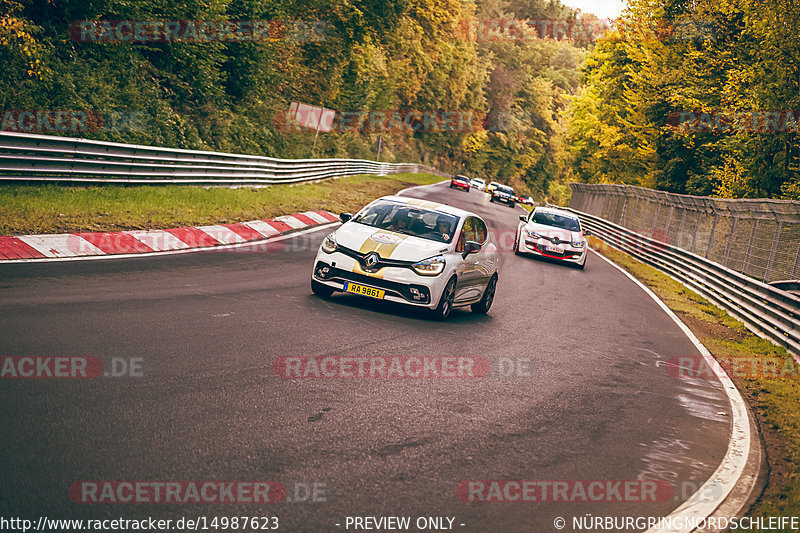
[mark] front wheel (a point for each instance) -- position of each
(320, 289)
(516, 244)
(512, 205)
(491, 199)
(485, 303)
(442, 311)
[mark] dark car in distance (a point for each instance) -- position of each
(505, 194)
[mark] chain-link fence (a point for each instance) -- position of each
(759, 238)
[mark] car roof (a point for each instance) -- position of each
(478, 179)
(557, 211)
(462, 177)
(427, 204)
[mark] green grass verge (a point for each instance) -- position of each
(28, 209)
(775, 400)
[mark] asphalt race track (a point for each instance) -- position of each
(595, 401)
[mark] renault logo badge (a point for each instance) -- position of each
(371, 260)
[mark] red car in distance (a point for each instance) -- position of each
(459, 182)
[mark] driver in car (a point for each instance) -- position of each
(443, 228)
(400, 222)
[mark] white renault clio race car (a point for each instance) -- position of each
(413, 252)
(552, 233)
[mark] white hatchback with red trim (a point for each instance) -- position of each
(413, 252)
(552, 233)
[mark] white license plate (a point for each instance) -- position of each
(554, 249)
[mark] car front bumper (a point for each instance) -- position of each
(571, 254)
(504, 199)
(401, 285)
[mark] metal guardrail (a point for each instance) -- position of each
(757, 237)
(766, 310)
(30, 157)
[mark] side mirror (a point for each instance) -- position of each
(344, 217)
(587, 232)
(470, 247)
(523, 218)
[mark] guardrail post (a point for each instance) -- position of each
(711, 235)
(774, 250)
(692, 248)
(669, 219)
(681, 225)
(750, 246)
(796, 269)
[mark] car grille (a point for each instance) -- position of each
(382, 262)
(391, 287)
(563, 255)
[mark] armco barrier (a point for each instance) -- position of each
(29, 157)
(768, 311)
(757, 237)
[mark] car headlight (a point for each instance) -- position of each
(578, 244)
(329, 244)
(429, 267)
(533, 234)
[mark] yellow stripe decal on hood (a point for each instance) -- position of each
(384, 250)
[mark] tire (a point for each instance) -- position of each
(516, 244)
(581, 266)
(511, 205)
(320, 289)
(491, 199)
(442, 311)
(486, 300)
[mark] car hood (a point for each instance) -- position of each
(388, 244)
(551, 231)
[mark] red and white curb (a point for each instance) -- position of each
(66, 245)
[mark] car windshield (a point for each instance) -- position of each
(409, 220)
(548, 218)
(507, 190)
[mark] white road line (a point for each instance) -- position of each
(713, 493)
(400, 193)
